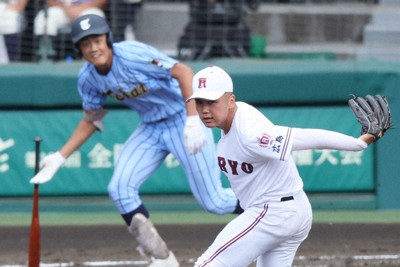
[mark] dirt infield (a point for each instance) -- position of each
(330, 245)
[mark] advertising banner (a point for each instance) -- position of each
(89, 169)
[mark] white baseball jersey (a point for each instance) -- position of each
(256, 156)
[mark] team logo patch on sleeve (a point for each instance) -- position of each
(157, 62)
(264, 140)
(267, 141)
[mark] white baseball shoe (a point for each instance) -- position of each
(171, 261)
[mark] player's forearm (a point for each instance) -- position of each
(82, 132)
(21, 5)
(74, 11)
(97, 4)
(55, 3)
(367, 138)
(323, 139)
(184, 75)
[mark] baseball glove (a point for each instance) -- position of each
(373, 113)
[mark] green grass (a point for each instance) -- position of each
(178, 209)
(357, 216)
(187, 217)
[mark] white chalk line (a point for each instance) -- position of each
(356, 257)
(88, 263)
(143, 263)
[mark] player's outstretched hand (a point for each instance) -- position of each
(49, 166)
(373, 113)
(195, 137)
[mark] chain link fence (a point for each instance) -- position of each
(26, 46)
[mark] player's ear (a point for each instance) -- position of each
(231, 100)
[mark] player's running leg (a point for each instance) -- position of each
(140, 156)
(202, 170)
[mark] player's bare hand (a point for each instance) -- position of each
(49, 166)
(195, 137)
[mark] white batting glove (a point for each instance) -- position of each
(49, 166)
(195, 137)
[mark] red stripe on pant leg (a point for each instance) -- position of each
(236, 238)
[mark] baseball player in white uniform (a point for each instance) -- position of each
(256, 156)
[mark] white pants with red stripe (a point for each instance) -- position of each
(270, 233)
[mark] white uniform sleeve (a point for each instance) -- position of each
(273, 143)
(323, 139)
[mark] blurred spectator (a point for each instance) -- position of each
(123, 16)
(133, 8)
(11, 26)
(57, 15)
(216, 28)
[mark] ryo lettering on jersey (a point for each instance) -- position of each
(231, 166)
(122, 95)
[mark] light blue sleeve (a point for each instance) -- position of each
(92, 97)
(141, 53)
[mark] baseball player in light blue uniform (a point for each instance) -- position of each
(154, 85)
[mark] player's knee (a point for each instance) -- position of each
(113, 190)
(223, 207)
(215, 209)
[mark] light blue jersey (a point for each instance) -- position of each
(140, 78)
